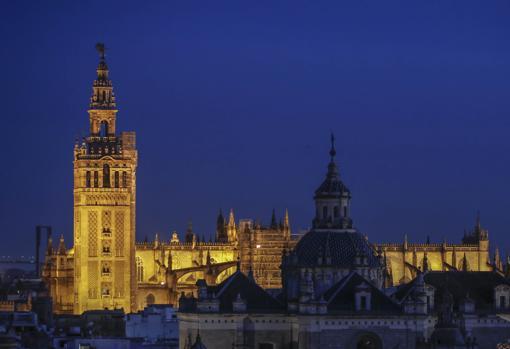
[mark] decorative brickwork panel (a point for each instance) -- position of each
(118, 273)
(106, 219)
(92, 234)
(119, 234)
(93, 279)
(106, 199)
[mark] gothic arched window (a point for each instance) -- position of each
(106, 176)
(336, 212)
(139, 269)
(116, 179)
(96, 179)
(325, 212)
(87, 179)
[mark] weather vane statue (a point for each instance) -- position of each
(101, 49)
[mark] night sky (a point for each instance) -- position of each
(233, 103)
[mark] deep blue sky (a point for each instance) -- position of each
(233, 103)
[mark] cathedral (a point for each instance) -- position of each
(106, 268)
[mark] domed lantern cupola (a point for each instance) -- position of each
(332, 199)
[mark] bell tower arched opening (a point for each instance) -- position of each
(103, 129)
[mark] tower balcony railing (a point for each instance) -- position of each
(101, 189)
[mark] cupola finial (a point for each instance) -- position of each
(332, 152)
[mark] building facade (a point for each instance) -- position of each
(405, 260)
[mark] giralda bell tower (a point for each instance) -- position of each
(104, 206)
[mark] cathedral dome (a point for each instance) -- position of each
(334, 248)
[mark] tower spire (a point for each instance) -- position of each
(189, 233)
(221, 231)
(274, 224)
(425, 263)
(231, 227)
(102, 97)
(332, 151)
(62, 245)
(497, 260)
(107, 163)
(49, 247)
(102, 123)
(465, 265)
(231, 219)
(332, 198)
(332, 169)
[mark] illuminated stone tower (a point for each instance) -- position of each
(104, 206)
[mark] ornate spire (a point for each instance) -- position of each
(102, 108)
(465, 265)
(231, 219)
(103, 96)
(480, 233)
(274, 224)
(221, 231)
(49, 247)
(332, 198)
(286, 222)
(497, 260)
(332, 151)
(332, 169)
(62, 245)
(189, 233)
(231, 228)
(425, 263)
